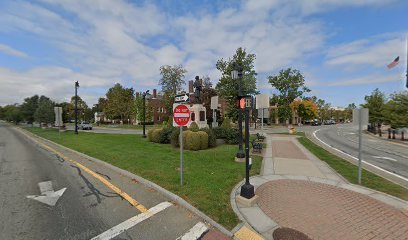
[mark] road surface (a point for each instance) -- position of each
(88, 207)
(387, 155)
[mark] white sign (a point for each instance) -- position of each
(58, 116)
(364, 116)
(181, 98)
(214, 102)
(262, 101)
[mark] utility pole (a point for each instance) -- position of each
(76, 106)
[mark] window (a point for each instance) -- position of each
(193, 117)
(202, 116)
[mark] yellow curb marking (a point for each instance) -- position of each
(245, 233)
(123, 194)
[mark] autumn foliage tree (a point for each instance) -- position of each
(306, 109)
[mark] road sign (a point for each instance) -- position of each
(181, 115)
(364, 116)
(214, 102)
(58, 116)
(262, 101)
(181, 98)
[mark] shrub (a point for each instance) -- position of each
(219, 132)
(192, 140)
(187, 144)
(150, 134)
(165, 135)
(156, 135)
(194, 127)
(232, 136)
(174, 138)
(203, 136)
(212, 140)
(226, 124)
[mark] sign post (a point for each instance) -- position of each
(214, 107)
(360, 118)
(58, 119)
(262, 102)
(181, 116)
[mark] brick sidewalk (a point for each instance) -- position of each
(327, 212)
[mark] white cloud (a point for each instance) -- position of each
(54, 82)
(373, 79)
(377, 51)
(103, 42)
(11, 51)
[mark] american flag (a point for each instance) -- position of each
(394, 63)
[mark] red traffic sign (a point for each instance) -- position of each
(181, 115)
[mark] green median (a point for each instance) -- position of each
(350, 171)
(209, 174)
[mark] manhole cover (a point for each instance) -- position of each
(289, 234)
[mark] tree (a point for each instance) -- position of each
(375, 104)
(139, 108)
(12, 113)
(171, 82)
(45, 111)
(81, 108)
(395, 112)
(1, 112)
(229, 88)
(291, 85)
(306, 108)
(348, 112)
(29, 107)
(207, 93)
(119, 102)
(66, 107)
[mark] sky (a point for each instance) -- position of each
(342, 47)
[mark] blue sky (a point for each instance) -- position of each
(341, 46)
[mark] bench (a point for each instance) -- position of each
(260, 137)
(256, 147)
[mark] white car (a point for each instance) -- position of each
(85, 126)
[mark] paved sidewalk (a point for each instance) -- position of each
(298, 191)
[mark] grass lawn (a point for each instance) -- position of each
(350, 171)
(209, 174)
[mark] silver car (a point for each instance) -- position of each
(85, 126)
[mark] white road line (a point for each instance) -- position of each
(374, 166)
(131, 222)
(195, 232)
(386, 158)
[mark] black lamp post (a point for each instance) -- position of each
(76, 106)
(236, 73)
(145, 95)
(247, 190)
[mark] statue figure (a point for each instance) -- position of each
(197, 89)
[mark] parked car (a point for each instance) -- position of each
(316, 123)
(85, 126)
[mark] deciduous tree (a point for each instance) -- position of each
(228, 88)
(291, 85)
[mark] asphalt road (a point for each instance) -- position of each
(381, 153)
(86, 209)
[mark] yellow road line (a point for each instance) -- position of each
(123, 194)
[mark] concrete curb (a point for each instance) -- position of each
(147, 183)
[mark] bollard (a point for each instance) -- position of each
(389, 133)
(393, 134)
(402, 136)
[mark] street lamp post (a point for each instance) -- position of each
(236, 73)
(145, 95)
(76, 106)
(247, 190)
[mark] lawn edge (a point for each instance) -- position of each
(351, 162)
(144, 181)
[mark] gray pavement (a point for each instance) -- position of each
(87, 208)
(298, 190)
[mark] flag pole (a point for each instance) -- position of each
(406, 47)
